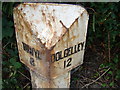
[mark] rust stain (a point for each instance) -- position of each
(43, 13)
(67, 31)
(21, 9)
(76, 21)
(26, 24)
(24, 13)
(50, 26)
(45, 66)
(27, 38)
(44, 16)
(53, 18)
(53, 10)
(33, 5)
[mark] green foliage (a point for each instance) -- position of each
(103, 27)
(8, 8)
(112, 84)
(104, 84)
(7, 28)
(104, 31)
(75, 79)
(10, 64)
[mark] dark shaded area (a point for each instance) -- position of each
(90, 71)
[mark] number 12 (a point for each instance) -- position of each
(67, 63)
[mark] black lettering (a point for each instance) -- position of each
(32, 62)
(75, 51)
(82, 45)
(31, 51)
(25, 47)
(67, 63)
(79, 47)
(39, 55)
(36, 53)
(71, 48)
(69, 53)
(65, 52)
(58, 55)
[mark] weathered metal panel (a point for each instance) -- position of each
(51, 38)
(69, 51)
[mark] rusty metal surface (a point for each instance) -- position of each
(73, 44)
(51, 37)
(46, 22)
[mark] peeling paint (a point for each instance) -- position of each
(47, 30)
(47, 24)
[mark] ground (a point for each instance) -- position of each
(88, 75)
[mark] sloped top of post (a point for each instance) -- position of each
(49, 21)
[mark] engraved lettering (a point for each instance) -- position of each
(67, 62)
(31, 51)
(82, 45)
(32, 62)
(67, 52)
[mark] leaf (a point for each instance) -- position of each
(12, 53)
(114, 34)
(7, 29)
(11, 74)
(8, 8)
(12, 61)
(102, 66)
(112, 84)
(17, 65)
(7, 32)
(116, 60)
(75, 79)
(110, 72)
(104, 84)
(117, 77)
(118, 74)
(108, 77)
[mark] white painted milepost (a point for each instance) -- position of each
(51, 41)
